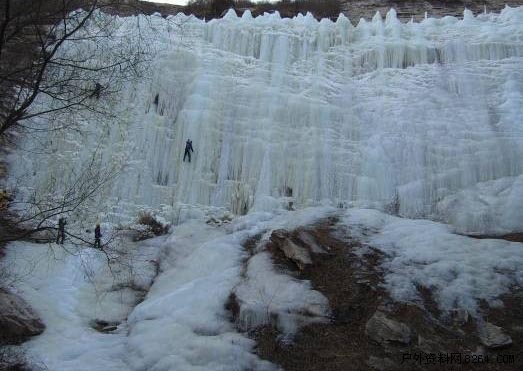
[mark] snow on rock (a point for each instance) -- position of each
(308, 240)
(182, 323)
(458, 270)
(269, 297)
(488, 208)
(71, 287)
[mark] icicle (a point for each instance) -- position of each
(247, 15)
(377, 17)
(231, 15)
(391, 15)
(392, 22)
(468, 16)
(310, 20)
(342, 19)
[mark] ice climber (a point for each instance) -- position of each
(188, 150)
(96, 91)
(61, 231)
(97, 236)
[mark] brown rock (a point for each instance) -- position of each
(279, 235)
(382, 364)
(384, 330)
(17, 319)
(109, 329)
(460, 317)
(493, 337)
(299, 255)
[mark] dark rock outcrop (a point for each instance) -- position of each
(407, 9)
(382, 364)
(384, 330)
(17, 320)
(493, 337)
(297, 254)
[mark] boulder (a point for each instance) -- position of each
(17, 319)
(384, 330)
(299, 255)
(493, 337)
(309, 240)
(104, 326)
(460, 317)
(431, 345)
(382, 364)
(279, 235)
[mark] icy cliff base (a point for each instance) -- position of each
(492, 207)
(182, 324)
(383, 114)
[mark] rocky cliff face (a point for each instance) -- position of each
(356, 9)
(407, 9)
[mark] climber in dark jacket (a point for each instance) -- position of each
(61, 231)
(96, 91)
(97, 236)
(188, 150)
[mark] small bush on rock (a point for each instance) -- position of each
(153, 227)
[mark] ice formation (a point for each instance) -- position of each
(383, 114)
(419, 119)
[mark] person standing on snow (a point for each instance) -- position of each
(97, 236)
(61, 231)
(96, 91)
(188, 150)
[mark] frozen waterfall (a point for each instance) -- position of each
(388, 115)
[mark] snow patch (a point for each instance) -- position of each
(459, 270)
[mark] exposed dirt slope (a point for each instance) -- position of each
(349, 275)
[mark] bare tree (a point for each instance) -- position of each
(61, 59)
(41, 57)
(36, 213)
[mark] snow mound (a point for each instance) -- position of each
(182, 323)
(267, 297)
(488, 208)
(460, 271)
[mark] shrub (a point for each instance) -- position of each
(154, 227)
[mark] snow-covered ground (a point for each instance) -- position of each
(182, 324)
(460, 271)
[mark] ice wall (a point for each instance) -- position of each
(383, 114)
